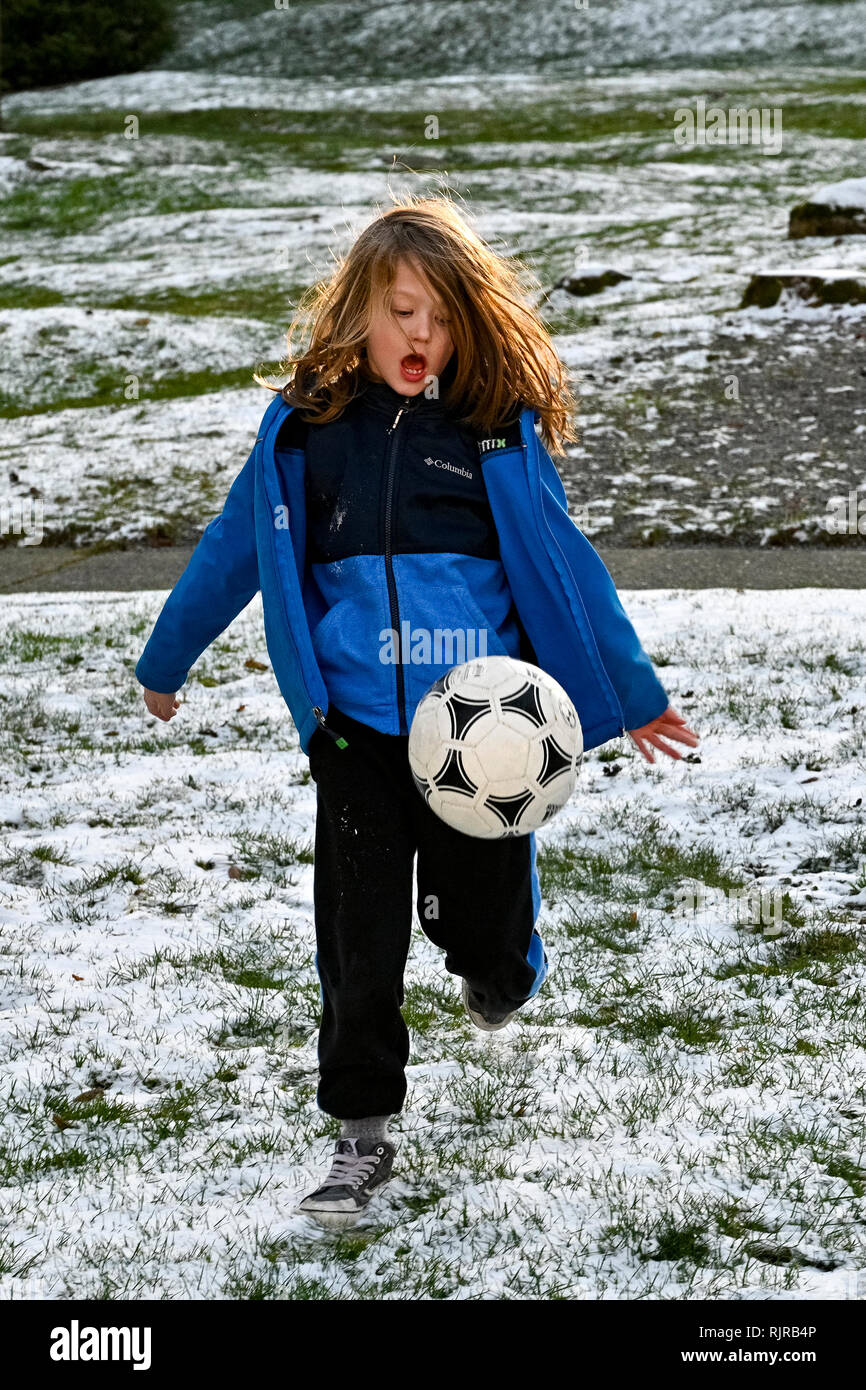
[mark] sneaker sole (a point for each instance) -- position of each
(333, 1220)
(478, 1020)
(338, 1219)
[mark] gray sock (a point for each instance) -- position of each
(372, 1127)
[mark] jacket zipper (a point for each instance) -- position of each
(338, 738)
(389, 570)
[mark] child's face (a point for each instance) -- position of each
(413, 344)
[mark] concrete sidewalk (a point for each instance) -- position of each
(29, 569)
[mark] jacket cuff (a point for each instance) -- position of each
(158, 681)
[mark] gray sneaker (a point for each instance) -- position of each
(358, 1167)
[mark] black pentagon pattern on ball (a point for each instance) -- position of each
(509, 809)
(555, 761)
(526, 701)
(452, 776)
(421, 785)
(463, 713)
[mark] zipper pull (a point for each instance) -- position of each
(338, 738)
(396, 418)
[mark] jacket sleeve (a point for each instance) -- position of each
(638, 688)
(220, 579)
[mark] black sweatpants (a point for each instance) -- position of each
(474, 901)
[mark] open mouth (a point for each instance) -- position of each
(413, 366)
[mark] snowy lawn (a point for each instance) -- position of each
(680, 1112)
(144, 279)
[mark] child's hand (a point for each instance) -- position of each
(163, 706)
(672, 725)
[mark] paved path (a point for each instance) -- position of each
(27, 569)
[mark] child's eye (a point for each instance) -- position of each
(403, 313)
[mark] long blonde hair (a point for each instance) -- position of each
(503, 357)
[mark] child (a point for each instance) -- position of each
(400, 488)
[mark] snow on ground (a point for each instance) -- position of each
(56, 342)
(95, 468)
(556, 36)
(850, 193)
(680, 1112)
(165, 90)
(177, 257)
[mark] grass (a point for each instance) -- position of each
(269, 854)
(678, 1113)
(109, 390)
(265, 299)
(188, 162)
(70, 206)
(426, 1007)
(637, 869)
(335, 140)
(327, 133)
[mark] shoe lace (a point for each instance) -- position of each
(351, 1169)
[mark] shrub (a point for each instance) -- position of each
(70, 40)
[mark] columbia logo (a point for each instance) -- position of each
(451, 467)
(484, 445)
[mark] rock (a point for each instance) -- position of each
(825, 287)
(590, 279)
(835, 210)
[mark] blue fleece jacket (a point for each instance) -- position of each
(484, 540)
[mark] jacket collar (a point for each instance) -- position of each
(379, 396)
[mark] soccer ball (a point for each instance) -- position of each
(495, 747)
